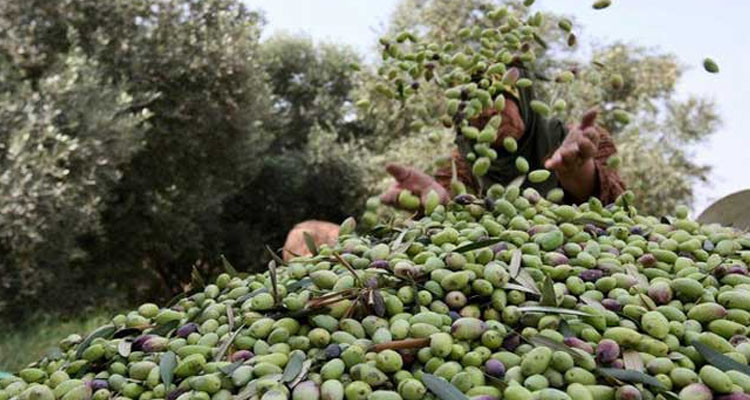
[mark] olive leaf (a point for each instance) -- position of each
(250, 295)
(477, 245)
(293, 367)
(167, 364)
(565, 329)
(719, 360)
(539, 340)
(399, 239)
(102, 332)
(228, 369)
(228, 266)
(554, 310)
(304, 282)
(442, 388)
(124, 332)
(513, 286)
(302, 374)
(549, 298)
(631, 376)
(310, 243)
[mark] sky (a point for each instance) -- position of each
(691, 29)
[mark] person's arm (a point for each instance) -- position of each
(580, 163)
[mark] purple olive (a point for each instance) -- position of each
(139, 341)
(628, 392)
(660, 292)
(579, 344)
(155, 344)
(617, 364)
(591, 275)
(185, 330)
(97, 384)
(554, 259)
(502, 246)
(737, 269)
(495, 368)
(647, 260)
(454, 315)
(607, 351)
(612, 304)
(333, 351)
(241, 355)
(512, 341)
(489, 204)
(734, 396)
(464, 199)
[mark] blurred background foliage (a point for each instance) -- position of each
(141, 137)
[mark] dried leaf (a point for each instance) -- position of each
(310, 243)
(549, 298)
(631, 376)
(225, 346)
(279, 260)
(348, 267)
(442, 388)
(102, 332)
(228, 268)
(293, 367)
(124, 348)
(554, 310)
(632, 360)
(477, 245)
(719, 360)
(167, 364)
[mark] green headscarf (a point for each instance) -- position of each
(540, 139)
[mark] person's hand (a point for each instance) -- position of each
(573, 162)
(408, 178)
(578, 149)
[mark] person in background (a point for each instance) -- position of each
(577, 154)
